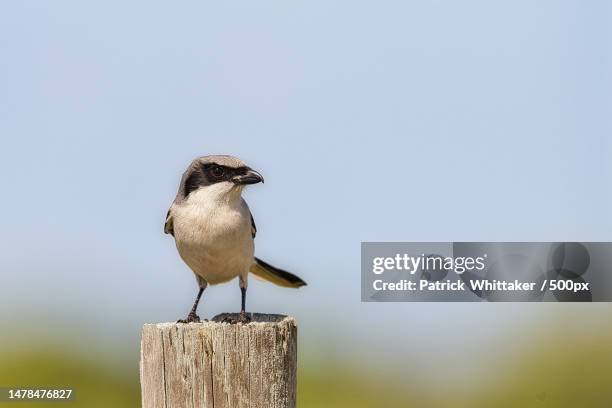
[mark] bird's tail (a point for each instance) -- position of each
(277, 276)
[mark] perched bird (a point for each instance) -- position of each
(214, 230)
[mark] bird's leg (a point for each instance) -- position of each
(243, 294)
(243, 317)
(192, 317)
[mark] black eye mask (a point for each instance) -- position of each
(209, 174)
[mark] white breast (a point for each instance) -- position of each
(213, 237)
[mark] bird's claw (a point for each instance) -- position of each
(244, 317)
(191, 318)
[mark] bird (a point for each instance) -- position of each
(214, 230)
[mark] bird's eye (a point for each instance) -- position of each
(217, 171)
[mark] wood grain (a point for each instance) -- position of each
(220, 365)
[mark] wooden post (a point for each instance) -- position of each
(220, 365)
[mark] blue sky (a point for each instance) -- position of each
(407, 121)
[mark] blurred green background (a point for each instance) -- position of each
(565, 363)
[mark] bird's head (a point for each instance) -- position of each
(217, 176)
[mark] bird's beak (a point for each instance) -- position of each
(250, 177)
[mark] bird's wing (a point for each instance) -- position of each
(253, 226)
(169, 225)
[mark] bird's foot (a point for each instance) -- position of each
(243, 318)
(191, 318)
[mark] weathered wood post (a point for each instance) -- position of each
(220, 365)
